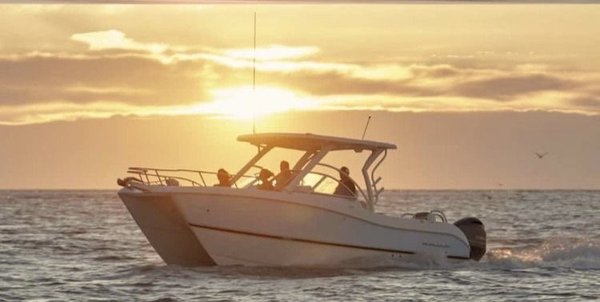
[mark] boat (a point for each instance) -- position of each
(303, 221)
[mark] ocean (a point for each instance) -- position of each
(84, 246)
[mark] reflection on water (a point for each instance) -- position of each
(74, 245)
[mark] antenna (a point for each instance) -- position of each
(254, 76)
(366, 126)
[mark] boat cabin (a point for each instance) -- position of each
(315, 147)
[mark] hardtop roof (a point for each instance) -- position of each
(309, 141)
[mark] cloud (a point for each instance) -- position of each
(68, 111)
(337, 83)
(114, 39)
(244, 102)
(272, 52)
(428, 81)
(119, 75)
(506, 88)
(435, 71)
(592, 102)
(122, 78)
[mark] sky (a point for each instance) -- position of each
(468, 92)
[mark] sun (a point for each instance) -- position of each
(247, 103)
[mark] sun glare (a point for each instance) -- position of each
(246, 103)
(272, 52)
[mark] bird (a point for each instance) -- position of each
(540, 155)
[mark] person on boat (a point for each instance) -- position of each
(346, 185)
(284, 176)
(224, 178)
(265, 183)
(172, 182)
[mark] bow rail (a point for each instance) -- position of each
(183, 177)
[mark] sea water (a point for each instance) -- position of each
(84, 245)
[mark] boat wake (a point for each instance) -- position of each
(573, 253)
(569, 253)
(556, 253)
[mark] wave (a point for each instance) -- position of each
(569, 253)
(560, 252)
(574, 253)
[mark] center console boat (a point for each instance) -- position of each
(297, 223)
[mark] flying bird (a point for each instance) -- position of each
(540, 155)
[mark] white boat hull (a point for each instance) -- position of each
(161, 222)
(250, 227)
(258, 250)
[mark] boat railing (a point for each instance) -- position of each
(314, 187)
(440, 214)
(323, 177)
(327, 176)
(166, 177)
(198, 178)
(426, 215)
(375, 181)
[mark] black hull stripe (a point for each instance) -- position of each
(310, 241)
(300, 240)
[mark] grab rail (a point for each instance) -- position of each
(339, 171)
(326, 176)
(437, 213)
(440, 214)
(374, 182)
(159, 176)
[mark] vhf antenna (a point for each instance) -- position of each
(366, 126)
(254, 77)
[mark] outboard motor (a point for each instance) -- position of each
(475, 232)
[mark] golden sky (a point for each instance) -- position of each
(468, 92)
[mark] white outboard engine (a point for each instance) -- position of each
(475, 232)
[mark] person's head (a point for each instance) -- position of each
(265, 174)
(223, 177)
(284, 165)
(344, 172)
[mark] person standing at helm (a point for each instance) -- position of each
(284, 176)
(346, 185)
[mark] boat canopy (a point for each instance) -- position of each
(312, 142)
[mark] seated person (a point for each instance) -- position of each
(265, 183)
(224, 178)
(346, 186)
(172, 182)
(284, 176)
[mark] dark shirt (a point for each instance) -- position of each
(345, 187)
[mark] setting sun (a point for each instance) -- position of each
(299, 150)
(245, 102)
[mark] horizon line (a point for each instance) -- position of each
(404, 189)
(286, 2)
